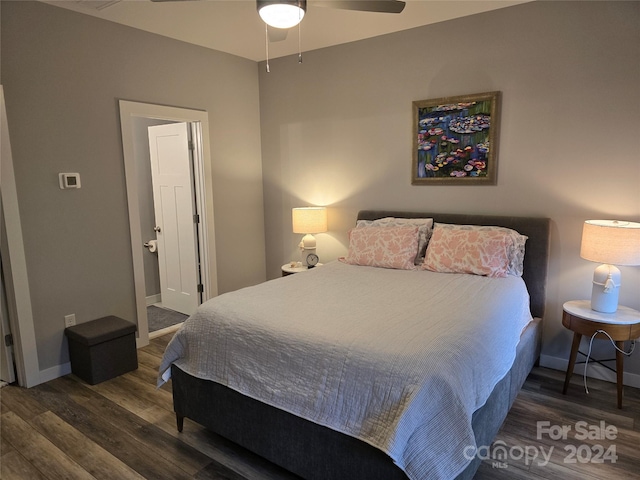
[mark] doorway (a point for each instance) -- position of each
(174, 159)
(136, 118)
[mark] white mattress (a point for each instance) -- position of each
(398, 359)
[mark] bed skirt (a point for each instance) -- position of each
(315, 452)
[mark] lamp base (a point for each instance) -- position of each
(307, 245)
(304, 253)
(308, 241)
(606, 288)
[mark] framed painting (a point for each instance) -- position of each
(455, 140)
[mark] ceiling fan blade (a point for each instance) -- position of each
(381, 6)
(277, 34)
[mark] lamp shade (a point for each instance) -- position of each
(281, 13)
(309, 219)
(612, 242)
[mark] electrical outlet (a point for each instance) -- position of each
(70, 320)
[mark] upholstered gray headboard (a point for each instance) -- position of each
(536, 256)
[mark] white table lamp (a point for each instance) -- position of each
(610, 242)
(308, 220)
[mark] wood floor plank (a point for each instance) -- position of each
(86, 453)
(156, 348)
(113, 390)
(561, 410)
(19, 401)
(99, 428)
(14, 466)
(489, 471)
(5, 446)
(148, 359)
(216, 471)
(146, 372)
(77, 390)
(602, 395)
(3, 407)
(152, 438)
(134, 423)
(143, 392)
(39, 451)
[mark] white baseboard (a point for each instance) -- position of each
(153, 299)
(594, 371)
(55, 372)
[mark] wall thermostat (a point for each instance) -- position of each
(69, 180)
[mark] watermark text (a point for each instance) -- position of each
(597, 446)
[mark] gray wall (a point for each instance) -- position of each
(63, 74)
(336, 131)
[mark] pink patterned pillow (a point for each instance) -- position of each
(386, 247)
(471, 249)
(425, 226)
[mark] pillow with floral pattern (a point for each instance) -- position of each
(479, 250)
(425, 227)
(381, 246)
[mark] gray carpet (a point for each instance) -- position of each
(160, 318)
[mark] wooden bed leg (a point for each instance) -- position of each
(179, 422)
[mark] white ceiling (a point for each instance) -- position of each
(233, 26)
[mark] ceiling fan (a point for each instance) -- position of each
(280, 15)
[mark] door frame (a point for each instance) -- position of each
(204, 196)
(14, 264)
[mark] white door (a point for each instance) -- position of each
(176, 227)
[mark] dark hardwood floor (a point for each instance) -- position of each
(125, 428)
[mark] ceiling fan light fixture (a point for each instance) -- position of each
(281, 13)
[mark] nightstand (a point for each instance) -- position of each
(287, 269)
(622, 325)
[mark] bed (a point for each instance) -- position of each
(404, 423)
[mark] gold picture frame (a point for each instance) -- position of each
(455, 140)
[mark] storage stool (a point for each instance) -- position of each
(102, 349)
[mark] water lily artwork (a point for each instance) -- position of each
(455, 140)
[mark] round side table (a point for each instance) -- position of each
(287, 269)
(622, 325)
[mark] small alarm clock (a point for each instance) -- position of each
(312, 260)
